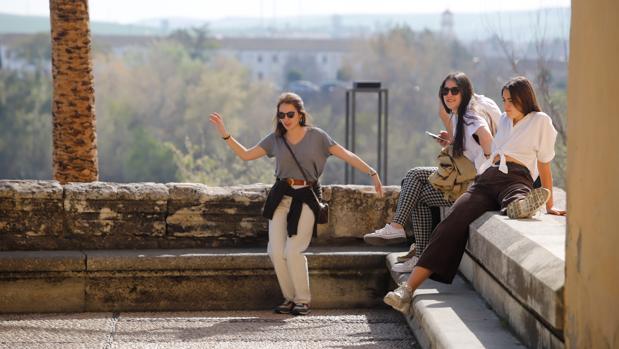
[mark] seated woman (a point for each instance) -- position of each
(470, 118)
(522, 148)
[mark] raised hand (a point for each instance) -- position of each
(378, 186)
(218, 121)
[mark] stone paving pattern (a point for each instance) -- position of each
(366, 328)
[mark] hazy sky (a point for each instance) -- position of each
(126, 11)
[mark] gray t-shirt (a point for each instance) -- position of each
(312, 152)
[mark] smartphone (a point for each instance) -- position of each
(435, 136)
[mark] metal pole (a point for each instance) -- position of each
(353, 121)
(380, 132)
(346, 134)
(386, 132)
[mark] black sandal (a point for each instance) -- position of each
(284, 308)
(301, 309)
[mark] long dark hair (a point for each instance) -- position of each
(295, 100)
(522, 94)
(466, 90)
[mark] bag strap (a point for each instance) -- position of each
(299, 165)
(295, 159)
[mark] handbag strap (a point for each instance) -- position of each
(295, 159)
(299, 165)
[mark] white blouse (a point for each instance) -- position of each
(531, 140)
(472, 122)
(487, 109)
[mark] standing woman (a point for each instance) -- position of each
(471, 136)
(291, 206)
(522, 148)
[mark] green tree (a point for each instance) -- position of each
(153, 106)
(25, 125)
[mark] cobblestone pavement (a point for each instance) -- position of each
(349, 328)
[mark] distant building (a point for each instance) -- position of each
(447, 25)
(272, 58)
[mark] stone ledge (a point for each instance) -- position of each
(153, 280)
(527, 257)
(42, 261)
(43, 215)
(529, 329)
(453, 316)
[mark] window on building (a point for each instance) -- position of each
(259, 58)
(275, 58)
(260, 75)
(325, 59)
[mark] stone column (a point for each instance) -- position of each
(592, 260)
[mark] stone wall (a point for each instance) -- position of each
(44, 215)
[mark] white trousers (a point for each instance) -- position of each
(287, 252)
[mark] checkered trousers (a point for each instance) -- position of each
(416, 197)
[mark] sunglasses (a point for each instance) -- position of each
(454, 91)
(281, 115)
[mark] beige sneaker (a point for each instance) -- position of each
(406, 266)
(528, 206)
(399, 299)
(412, 252)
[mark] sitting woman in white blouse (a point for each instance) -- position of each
(522, 148)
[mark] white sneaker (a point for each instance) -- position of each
(405, 267)
(385, 236)
(399, 299)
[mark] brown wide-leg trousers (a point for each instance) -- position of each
(492, 190)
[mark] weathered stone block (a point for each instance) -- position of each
(113, 215)
(215, 279)
(42, 292)
(94, 191)
(30, 214)
(355, 210)
(42, 281)
(30, 189)
(41, 261)
(217, 216)
(527, 256)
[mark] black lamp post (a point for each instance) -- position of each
(383, 103)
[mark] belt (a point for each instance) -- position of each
(293, 181)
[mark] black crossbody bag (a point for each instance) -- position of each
(323, 208)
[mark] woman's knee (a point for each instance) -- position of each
(292, 253)
(276, 254)
(411, 175)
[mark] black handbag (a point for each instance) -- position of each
(323, 208)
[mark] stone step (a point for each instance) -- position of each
(192, 279)
(453, 316)
(518, 266)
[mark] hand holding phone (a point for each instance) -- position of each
(437, 137)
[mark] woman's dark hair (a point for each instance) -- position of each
(295, 100)
(466, 90)
(522, 94)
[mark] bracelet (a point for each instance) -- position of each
(372, 172)
(226, 137)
